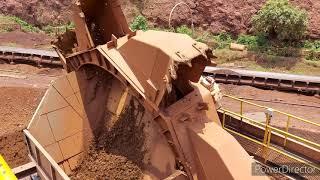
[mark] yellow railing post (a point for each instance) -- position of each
(287, 131)
(223, 119)
(268, 118)
(241, 109)
(268, 145)
(241, 113)
(267, 133)
(265, 141)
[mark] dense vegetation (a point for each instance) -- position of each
(10, 23)
(260, 43)
(139, 23)
(279, 19)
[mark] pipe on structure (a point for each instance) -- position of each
(172, 10)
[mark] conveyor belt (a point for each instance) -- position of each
(14, 54)
(300, 83)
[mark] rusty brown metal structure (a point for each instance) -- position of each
(39, 57)
(158, 74)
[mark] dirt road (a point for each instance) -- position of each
(16, 107)
(26, 40)
(20, 95)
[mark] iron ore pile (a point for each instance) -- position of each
(117, 151)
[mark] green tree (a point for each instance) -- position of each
(279, 19)
(139, 23)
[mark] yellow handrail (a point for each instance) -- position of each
(249, 119)
(275, 149)
(273, 129)
(268, 132)
(265, 107)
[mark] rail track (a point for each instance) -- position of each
(280, 81)
(40, 57)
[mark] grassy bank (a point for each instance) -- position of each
(12, 23)
(267, 63)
